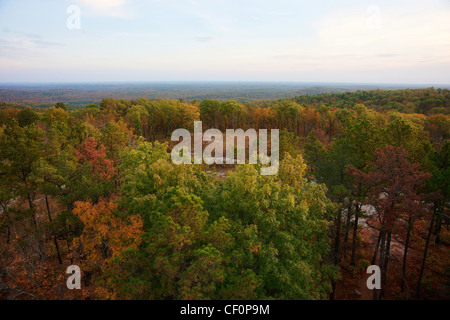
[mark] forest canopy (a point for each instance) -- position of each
(95, 187)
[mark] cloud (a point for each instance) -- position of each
(28, 43)
(107, 8)
(406, 36)
(21, 44)
(25, 34)
(102, 4)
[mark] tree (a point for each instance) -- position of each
(27, 117)
(90, 152)
(61, 105)
(137, 116)
(209, 110)
(22, 149)
(191, 254)
(394, 185)
(282, 233)
(105, 234)
(439, 193)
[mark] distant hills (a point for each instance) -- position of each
(77, 95)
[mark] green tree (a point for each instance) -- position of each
(26, 117)
(22, 148)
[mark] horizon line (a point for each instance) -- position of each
(221, 82)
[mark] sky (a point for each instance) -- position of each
(348, 41)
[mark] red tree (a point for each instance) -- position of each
(394, 183)
(95, 154)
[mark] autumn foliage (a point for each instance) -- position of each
(90, 152)
(358, 184)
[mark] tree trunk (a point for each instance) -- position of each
(382, 250)
(438, 229)
(374, 258)
(422, 268)
(57, 249)
(333, 290)
(382, 244)
(337, 241)
(54, 238)
(349, 215)
(48, 208)
(355, 233)
(30, 204)
(384, 267)
(405, 253)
